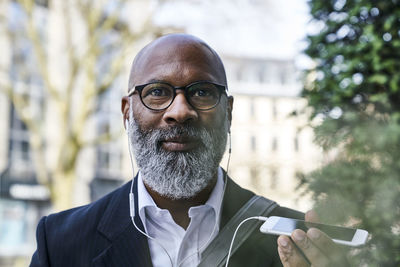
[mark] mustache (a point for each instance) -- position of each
(158, 135)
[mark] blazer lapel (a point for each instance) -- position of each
(234, 198)
(128, 247)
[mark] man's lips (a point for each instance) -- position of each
(179, 143)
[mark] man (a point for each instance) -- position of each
(177, 115)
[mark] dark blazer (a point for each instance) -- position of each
(102, 234)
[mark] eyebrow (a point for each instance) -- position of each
(156, 81)
(132, 89)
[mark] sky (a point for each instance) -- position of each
(254, 28)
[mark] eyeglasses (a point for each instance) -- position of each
(201, 95)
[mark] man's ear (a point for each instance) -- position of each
(125, 109)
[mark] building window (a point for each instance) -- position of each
(253, 142)
(109, 155)
(273, 178)
(109, 160)
(274, 110)
(252, 108)
(19, 147)
(283, 77)
(43, 3)
(274, 144)
(254, 175)
(296, 143)
(239, 74)
(261, 74)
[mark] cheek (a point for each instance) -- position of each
(214, 118)
(147, 121)
(145, 117)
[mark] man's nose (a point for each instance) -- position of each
(180, 110)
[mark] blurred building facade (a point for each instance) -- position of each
(269, 146)
(271, 143)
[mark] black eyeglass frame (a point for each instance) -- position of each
(221, 89)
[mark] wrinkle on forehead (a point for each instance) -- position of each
(176, 47)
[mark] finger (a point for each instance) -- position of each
(326, 245)
(312, 216)
(288, 253)
(310, 250)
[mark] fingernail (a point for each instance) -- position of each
(283, 242)
(314, 234)
(298, 235)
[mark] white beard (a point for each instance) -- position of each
(177, 175)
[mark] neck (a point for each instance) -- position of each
(179, 208)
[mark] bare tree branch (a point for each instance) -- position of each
(3, 19)
(33, 34)
(102, 139)
(84, 81)
(127, 38)
(115, 70)
(97, 28)
(36, 139)
(37, 143)
(73, 65)
(6, 88)
(98, 24)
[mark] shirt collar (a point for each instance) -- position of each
(144, 199)
(214, 201)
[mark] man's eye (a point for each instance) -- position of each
(202, 92)
(157, 91)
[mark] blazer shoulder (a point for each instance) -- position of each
(71, 237)
(83, 219)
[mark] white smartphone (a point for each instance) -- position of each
(341, 235)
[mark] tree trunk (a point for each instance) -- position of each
(62, 189)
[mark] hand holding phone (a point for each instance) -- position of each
(341, 235)
(306, 246)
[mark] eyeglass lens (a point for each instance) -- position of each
(200, 95)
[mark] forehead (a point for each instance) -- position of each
(177, 62)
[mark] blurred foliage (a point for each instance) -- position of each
(355, 88)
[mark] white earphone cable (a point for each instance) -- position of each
(260, 218)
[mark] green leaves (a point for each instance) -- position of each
(357, 72)
(367, 37)
(378, 78)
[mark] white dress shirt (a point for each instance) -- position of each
(184, 247)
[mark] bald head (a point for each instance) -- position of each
(178, 50)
